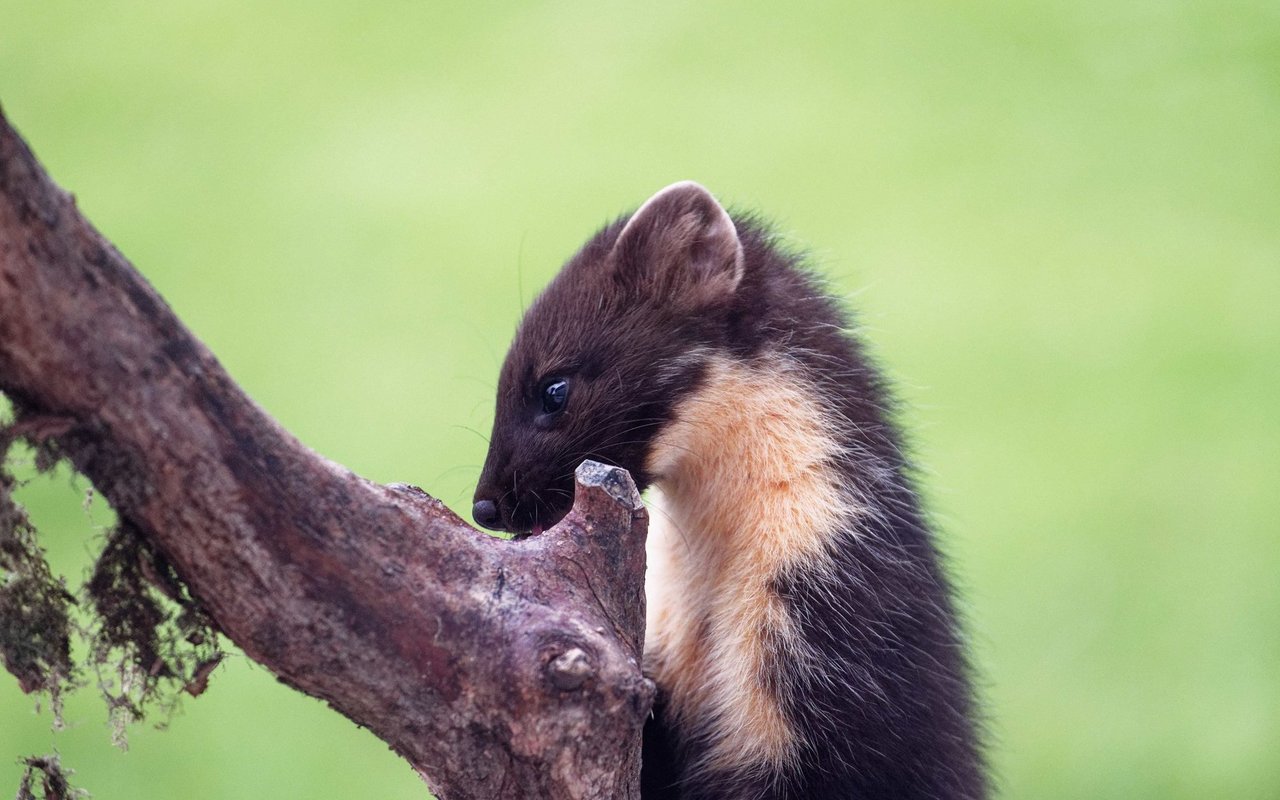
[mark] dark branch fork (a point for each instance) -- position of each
(497, 669)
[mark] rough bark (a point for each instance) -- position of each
(498, 669)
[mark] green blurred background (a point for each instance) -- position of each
(1060, 223)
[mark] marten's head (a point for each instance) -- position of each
(605, 352)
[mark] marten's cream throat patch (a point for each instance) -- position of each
(745, 487)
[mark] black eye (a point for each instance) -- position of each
(555, 393)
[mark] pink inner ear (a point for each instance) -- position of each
(717, 252)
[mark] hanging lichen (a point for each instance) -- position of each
(35, 607)
(150, 639)
(53, 783)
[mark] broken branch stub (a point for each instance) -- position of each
(498, 669)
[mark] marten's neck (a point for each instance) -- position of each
(745, 489)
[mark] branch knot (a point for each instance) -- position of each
(570, 669)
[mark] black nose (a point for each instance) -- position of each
(485, 513)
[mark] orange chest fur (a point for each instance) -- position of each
(745, 489)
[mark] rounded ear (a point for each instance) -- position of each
(681, 247)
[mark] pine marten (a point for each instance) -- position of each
(800, 627)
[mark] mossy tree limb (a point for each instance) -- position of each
(446, 643)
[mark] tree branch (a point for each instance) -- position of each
(497, 669)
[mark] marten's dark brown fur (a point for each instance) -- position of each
(800, 627)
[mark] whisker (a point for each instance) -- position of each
(684, 537)
(468, 429)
